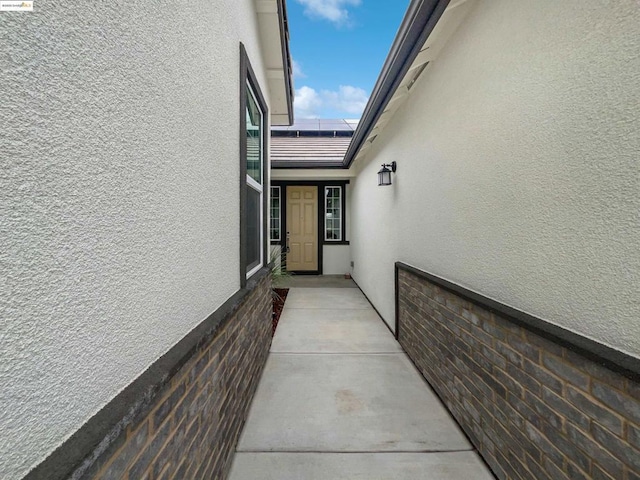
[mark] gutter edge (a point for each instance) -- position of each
(287, 64)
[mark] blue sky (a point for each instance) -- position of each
(338, 48)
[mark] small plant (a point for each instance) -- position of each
(278, 270)
(278, 294)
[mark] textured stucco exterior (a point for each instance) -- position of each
(335, 259)
(518, 168)
(119, 199)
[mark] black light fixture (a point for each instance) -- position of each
(384, 175)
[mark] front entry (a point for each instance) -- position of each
(302, 228)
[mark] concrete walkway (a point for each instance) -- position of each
(313, 281)
(340, 400)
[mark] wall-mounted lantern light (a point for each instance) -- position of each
(384, 175)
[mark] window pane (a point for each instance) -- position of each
(254, 138)
(333, 213)
(275, 214)
(253, 228)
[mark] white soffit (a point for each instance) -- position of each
(274, 63)
(449, 22)
(316, 174)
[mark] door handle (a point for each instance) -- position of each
(287, 249)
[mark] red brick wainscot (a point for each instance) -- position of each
(536, 401)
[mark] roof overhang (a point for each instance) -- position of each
(425, 29)
(308, 151)
(293, 174)
(274, 39)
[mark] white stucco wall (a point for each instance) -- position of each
(335, 259)
(518, 172)
(118, 200)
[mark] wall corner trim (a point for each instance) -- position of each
(615, 360)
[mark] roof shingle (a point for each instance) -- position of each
(304, 151)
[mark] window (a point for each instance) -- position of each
(253, 211)
(276, 222)
(333, 213)
(253, 140)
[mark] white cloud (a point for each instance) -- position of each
(333, 10)
(307, 103)
(347, 100)
(297, 69)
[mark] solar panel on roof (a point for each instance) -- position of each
(306, 122)
(324, 127)
(334, 125)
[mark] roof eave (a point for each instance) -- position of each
(274, 39)
(418, 23)
(286, 57)
(305, 165)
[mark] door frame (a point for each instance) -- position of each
(321, 242)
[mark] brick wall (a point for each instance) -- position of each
(191, 427)
(534, 409)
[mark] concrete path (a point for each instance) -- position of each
(340, 400)
(313, 281)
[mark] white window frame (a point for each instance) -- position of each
(279, 189)
(251, 183)
(340, 189)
